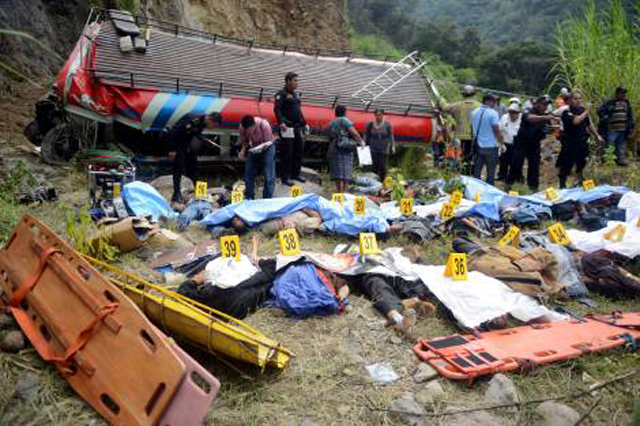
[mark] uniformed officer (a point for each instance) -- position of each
(288, 111)
(186, 137)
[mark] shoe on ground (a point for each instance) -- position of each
(300, 179)
(286, 182)
(424, 309)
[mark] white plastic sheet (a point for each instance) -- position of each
(481, 298)
(593, 241)
(227, 272)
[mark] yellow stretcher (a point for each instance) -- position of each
(196, 323)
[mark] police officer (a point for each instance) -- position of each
(186, 137)
(288, 111)
(534, 126)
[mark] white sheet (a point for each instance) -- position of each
(227, 272)
(481, 298)
(593, 241)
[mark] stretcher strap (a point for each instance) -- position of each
(30, 328)
(43, 347)
(18, 296)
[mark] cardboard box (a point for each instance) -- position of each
(127, 234)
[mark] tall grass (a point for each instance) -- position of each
(600, 51)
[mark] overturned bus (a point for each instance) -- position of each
(131, 78)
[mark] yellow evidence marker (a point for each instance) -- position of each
(289, 242)
(368, 243)
(338, 198)
(201, 189)
(295, 191)
(230, 247)
(359, 206)
(510, 236)
(456, 267)
(406, 206)
(559, 234)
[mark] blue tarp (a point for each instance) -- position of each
(338, 219)
(142, 199)
(301, 293)
(579, 194)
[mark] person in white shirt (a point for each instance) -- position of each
(509, 126)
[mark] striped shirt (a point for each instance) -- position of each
(618, 121)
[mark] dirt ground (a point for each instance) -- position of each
(326, 383)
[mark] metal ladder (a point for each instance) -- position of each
(390, 78)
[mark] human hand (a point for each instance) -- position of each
(283, 127)
(307, 129)
(242, 154)
(393, 149)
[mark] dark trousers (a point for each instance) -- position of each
(505, 162)
(526, 150)
(380, 161)
(185, 163)
(468, 154)
(486, 157)
(573, 153)
(292, 149)
(387, 293)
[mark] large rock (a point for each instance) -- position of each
(12, 341)
(501, 391)
(476, 418)
(406, 410)
(7, 321)
(28, 386)
(284, 190)
(556, 414)
(431, 393)
(311, 175)
(164, 185)
(424, 372)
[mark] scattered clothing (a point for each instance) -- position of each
(365, 185)
(238, 301)
(302, 290)
(227, 272)
(604, 274)
(387, 293)
(196, 210)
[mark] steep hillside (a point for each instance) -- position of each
(511, 20)
(316, 23)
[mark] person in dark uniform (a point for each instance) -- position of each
(577, 126)
(533, 130)
(186, 137)
(288, 111)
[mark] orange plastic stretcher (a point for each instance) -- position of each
(465, 357)
(105, 348)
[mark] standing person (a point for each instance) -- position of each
(288, 111)
(186, 137)
(533, 130)
(500, 109)
(340, 131)
(486, 130)
(575, 138)
(379, 137)
(461, 112)
(616, 121)
(256, 139)
(509, 126)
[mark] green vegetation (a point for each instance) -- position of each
(497, 44)
(598, 52)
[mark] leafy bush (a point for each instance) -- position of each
(81, 229)
(599, 51)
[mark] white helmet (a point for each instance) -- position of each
(468, 90)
